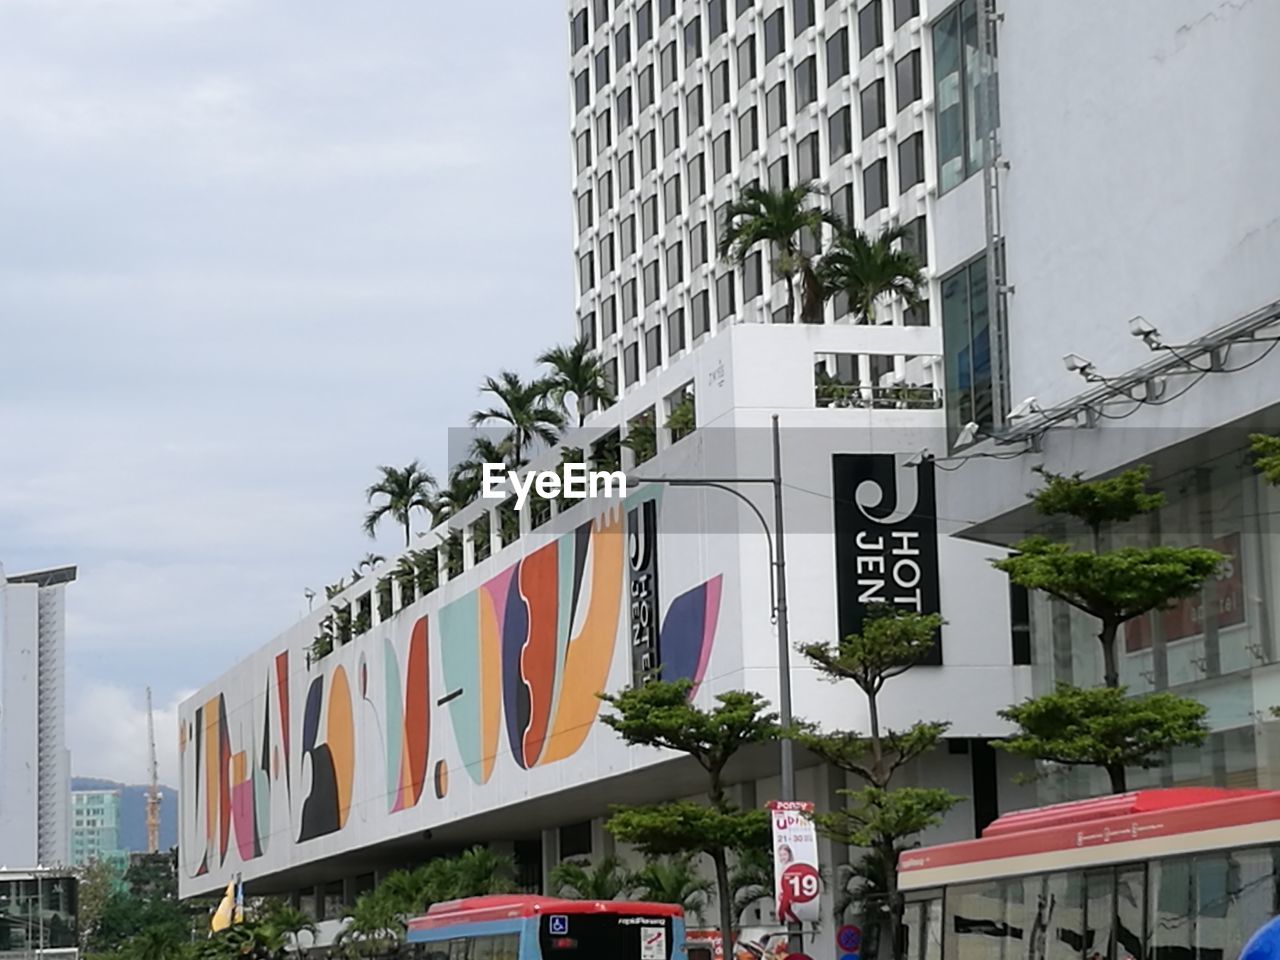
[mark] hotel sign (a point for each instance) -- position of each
(886, 537)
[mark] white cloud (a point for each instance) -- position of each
(107, 733)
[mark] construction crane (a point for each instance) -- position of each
(153, 790)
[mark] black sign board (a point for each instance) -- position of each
(642, 562)
(886, 539)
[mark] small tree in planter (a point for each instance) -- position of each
(642, 437)
(1113, 586)
(386, 602)
(426, 567)
(342, 624)
(682, 419)
(405, 575)
(453, 560)
(879, 817)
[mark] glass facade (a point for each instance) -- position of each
(960, 75)
(1218, 647)
(1203, 906)
(36, 913)
(966, 343)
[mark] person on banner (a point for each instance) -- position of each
(786, 909)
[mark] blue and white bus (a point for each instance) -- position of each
(547, 928)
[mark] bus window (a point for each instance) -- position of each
(457, 950)
(1099, 914)
(506, 947)
(481, 948)
(923, 930)
(1171, 920)
(1130, 903)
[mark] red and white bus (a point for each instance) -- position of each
(1176, 874)
(519, 927)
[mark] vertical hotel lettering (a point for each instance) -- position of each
(886, 539)
(642, 564)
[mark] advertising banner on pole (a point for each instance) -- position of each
(795, 862)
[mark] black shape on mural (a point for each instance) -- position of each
(320, 808)
(886, 539)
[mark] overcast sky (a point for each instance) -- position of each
(250, 249)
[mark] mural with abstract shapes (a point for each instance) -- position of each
(503, 677)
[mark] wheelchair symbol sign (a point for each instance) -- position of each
(559, 924)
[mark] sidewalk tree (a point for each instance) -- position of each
(673, 879)
(660, 714)
(878, 817)
(1112, 586)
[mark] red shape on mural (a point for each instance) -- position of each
(539, 583)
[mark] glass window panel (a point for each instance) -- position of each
(652, 282)
(775, 35)
(609, 317)
(1172, 923)
(1099, 892)
(1130, 907)
(622, 46)
(910, 162)
(579, 32)
(692, 40)
(672, 197)
(624, 109)
(627, 242)
(700, 307)
(671, 131)
(631, 363)
(725, 305)
(779, 175)
(870, 28)
(875, 187)
(775, 107)
(746, 60)
(841, 134)
(748, 134)
(645, 85)
(585, 156)
(675, 332)
(872, 100)
(807, 158)
(719, 85)
(693, 110)
(644, 23)
(698, 245)
(652, 348)
(667, 63)
(697, 177)
(802, 14)
(904, 10)
(752, 278)
(717, 17)
(721, 156)
(602, 67)
(907, 76)
(837, 55)
(806, 82)
(949, 107)
(666, 8)
(627, 172)
(581, 90)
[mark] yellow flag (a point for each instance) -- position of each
(226, 909)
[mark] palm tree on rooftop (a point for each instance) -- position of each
(402, 491)
(576, 369)
(867, 270)
(524, 408)
(779, 220)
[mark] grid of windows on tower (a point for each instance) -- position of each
(677, 105)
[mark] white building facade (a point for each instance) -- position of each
(35, 766)
(1153, 204)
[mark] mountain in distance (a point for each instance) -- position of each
(133, 811)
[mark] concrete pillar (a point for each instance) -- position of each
(602, 844)
(550, 856)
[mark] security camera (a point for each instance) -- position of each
(1078, 364)
(968, 434)
(1024, 409)
(1145, 330)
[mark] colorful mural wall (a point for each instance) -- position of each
(473, 692)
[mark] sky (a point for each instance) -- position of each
(249, 250)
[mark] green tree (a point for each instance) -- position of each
(866, 270)
(1113, 586)
(576, 370)
(98, 880)
(606, 879)
(525, 409)
(154, 943)
(879, 817)
(375, 922)
(402, 491)
(1104, 727)
(779, 219)
(673, 879)
(1265, 450)
(660, 714)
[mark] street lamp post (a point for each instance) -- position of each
(778, 587)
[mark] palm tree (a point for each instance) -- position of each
(405, 490)
(576, 369)
(155, 943)
(582, 880)
(751, 880)
(291, 922)
(524, 409)
(866, 270)
(777, 218)
(370, 561)
(374, 923)
(673, 879)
